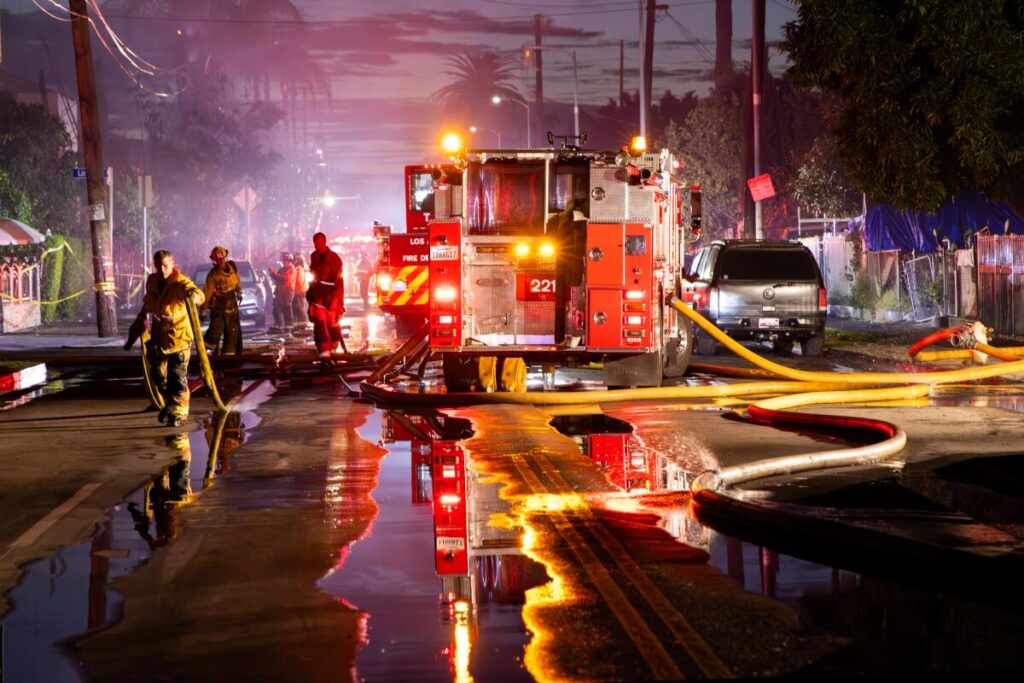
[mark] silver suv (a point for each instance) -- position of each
(759, 290)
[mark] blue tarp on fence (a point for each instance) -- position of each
(891, 228)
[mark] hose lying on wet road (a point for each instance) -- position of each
(810, 387)
(204, 358)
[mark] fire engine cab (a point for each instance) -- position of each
(403, 258)
(562, 257)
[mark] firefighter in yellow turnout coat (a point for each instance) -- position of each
(223, 293)
(166, 291)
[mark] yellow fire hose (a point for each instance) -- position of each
(858, 378)
(204, 358)
(810, 387)
(154, 396)
(957, 354)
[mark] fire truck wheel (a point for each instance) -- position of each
(460, 374)
(676, 357)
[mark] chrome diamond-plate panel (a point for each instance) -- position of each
(535, 318)
(619, 201)
(490, 298)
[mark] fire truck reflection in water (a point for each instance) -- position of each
(630, 465)
(477, 564)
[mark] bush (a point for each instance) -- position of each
(76, 276)
(52, 276)
(863, 295)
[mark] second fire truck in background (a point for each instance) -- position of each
(403, 258)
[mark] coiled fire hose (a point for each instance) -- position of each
(206, 371)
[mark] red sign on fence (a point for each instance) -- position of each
(761, 187)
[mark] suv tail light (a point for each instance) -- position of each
(697, 298)
(822, 299)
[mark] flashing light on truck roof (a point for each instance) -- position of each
(639, 144)
(452, 143)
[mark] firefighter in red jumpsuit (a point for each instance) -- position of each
(326, 297)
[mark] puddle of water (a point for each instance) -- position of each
(414, 629)
(65, 595)
(890, 626)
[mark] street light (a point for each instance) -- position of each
(575, 80)
(498, 99)
(473, 129)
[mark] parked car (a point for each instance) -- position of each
(252, 309)
(759, 290)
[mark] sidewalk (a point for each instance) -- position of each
(61, 336)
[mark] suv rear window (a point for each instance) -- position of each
(767, 264)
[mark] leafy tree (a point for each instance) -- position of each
(204, 145)
(14, 202)
(708, 143)
(35, 166)
(821, 184)
(930, 93)
(477, 77)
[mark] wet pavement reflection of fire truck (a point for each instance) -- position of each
(476, 564)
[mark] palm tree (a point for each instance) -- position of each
(477, 77)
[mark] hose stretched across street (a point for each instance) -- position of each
(805, 387)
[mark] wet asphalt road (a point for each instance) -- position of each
(309, 549)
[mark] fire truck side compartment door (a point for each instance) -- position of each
(604, 318)
(605, 255)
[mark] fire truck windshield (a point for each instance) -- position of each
(506, 198)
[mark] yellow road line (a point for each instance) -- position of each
(52, 517)
(647, 644)
(685, 634)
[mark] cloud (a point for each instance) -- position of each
(424, 32)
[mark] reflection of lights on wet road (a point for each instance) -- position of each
(463, 641)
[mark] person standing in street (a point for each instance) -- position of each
(299, 296)
(364, 271)
(223, 293)
(283, 277)
(167, 290)
(326, 297)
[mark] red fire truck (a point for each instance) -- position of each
(563, 257)
(402, 258)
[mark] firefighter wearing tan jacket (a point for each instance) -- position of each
(166, 292)
(223, 293)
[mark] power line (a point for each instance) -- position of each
(384, 20)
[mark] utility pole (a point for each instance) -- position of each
(723, 44)
(622, 73)
(757, 78)
(642, 97)
(92, 149)
(538, 21)
(648, 65)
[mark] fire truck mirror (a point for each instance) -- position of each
(438, 175)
